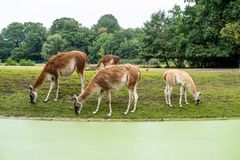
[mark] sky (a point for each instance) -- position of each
(129, 13)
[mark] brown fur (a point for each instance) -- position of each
(56, 65)
(113, 77)
(108, 60)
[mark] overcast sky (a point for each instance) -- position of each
(129, 13)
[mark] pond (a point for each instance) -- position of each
(62, 140)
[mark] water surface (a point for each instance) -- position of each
(61, 140)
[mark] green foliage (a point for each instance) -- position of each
(10, 62)
(24, 62)
(136, 61)
(155, 37)
(125, 43)
(98, 48)
(14, 33)
(204, 34)
(154, 62)
(64, 26)
(107, 23)
(36, 35)
(22, 40)
(5, 48)
(231, 32)
(75, 36)
(53, 45)
(231, 11)
(85, 38)
(67, 29)
(129, 49)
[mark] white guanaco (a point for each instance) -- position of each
(182, 78)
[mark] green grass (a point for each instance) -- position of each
(220, 88)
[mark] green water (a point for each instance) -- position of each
(59, 140)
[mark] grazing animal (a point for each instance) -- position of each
(62, 64)
(108, 60)
(111, 77)
(175, 76)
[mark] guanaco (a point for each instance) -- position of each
(176, 76)
(108, 60)
(111, 77)
(62, 64)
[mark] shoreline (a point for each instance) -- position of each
(117, 120)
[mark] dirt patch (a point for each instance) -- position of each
(22, 84)
(6, 91)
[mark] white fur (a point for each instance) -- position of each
(185, 82)
(178, 80)
(111, 61)
(122, 83)
(48, 77)
(35, 96)
(69, 69)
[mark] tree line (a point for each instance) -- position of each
(206, 34)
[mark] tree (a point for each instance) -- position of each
(25, 40)
(231, 32)
(98, 47)
(84, 38)
(5, 48)
(35, 36)
(53, 45)
(14, 33)
(76, 36)
(118, 38)
(121, 41)
(204, 21)
(68, 28)
(177, 36)
(129, 49)
(155, 37)
(107, 23)
(64, 26)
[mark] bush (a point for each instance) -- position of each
(155, 63)
(24, 62)
(10, 62)
(132, 61)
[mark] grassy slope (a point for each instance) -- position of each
(221, 96)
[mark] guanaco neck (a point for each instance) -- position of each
(39, 81)
(88, 91)
(99, 63)
(193, 89)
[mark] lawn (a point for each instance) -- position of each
(220, 89)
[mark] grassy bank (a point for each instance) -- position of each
(220, 88)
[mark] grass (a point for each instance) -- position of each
(220, 88)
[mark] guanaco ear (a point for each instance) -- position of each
(31, 87)
(200, 94)
(74, 97)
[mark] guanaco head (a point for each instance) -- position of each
(32, 95)
(77, 104)
(197, 98)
